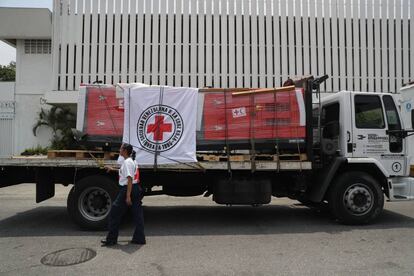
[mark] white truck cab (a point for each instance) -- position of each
(368, 128)
(406, 104)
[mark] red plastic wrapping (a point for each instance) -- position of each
(262, 116)
(105, 115)
(266, 120)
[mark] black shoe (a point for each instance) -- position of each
(138, 242)
(108, 243)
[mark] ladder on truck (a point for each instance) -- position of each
(315, 125)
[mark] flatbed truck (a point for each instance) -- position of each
(357, 154)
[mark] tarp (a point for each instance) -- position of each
(160, 122)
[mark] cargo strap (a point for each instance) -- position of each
(226, 133)
(160, 101)
(107, 107)
(252, 134)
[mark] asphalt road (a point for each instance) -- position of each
(194, 236)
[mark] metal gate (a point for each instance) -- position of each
(6, 137)
(6, 128)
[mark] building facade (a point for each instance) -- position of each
(361, 45)
(29, 31)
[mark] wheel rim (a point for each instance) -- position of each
(358, 199)
(94, 203)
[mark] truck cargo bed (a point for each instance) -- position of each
(258, 165)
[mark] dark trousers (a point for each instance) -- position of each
(119, 207)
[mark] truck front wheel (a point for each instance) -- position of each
(90, 201)
(355, 198)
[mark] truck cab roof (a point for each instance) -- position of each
(344, 93)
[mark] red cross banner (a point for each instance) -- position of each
(160, 123)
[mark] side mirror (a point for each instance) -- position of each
(412, 118)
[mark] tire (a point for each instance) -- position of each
(355, 198)
(90, 201)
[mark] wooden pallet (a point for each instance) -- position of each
(291, 157)
(248, 157)
(76, 154)
(87, 154)
(111, 155)
(218, 158)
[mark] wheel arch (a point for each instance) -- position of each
(81, 173)
(340, 165)
(370, 168)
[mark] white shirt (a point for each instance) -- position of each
(120, 160)
(128, 169)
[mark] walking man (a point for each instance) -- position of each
(130, 194)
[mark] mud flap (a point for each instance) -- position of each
(45, 186)
(324, 178)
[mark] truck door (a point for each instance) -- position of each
(370, 135)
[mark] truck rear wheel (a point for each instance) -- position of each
(90, 201)
(355, 198)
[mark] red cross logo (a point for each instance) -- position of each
(158, 128)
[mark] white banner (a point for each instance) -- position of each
(161, 120)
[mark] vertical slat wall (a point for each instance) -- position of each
(362, 45)
(6, 137)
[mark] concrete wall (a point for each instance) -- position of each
(33, 71)
(32, 83)
(7, 91)
(6, 118)
(27, 23)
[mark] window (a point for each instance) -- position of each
(330, 113)
(330, 121)
(412, 119)
(393, 124)
(37, 46)
(368, 112)
(391, 113)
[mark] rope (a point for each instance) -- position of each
(100, 162)
(252, 132)
(277, 133)
(160, 101)
(198, 166)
